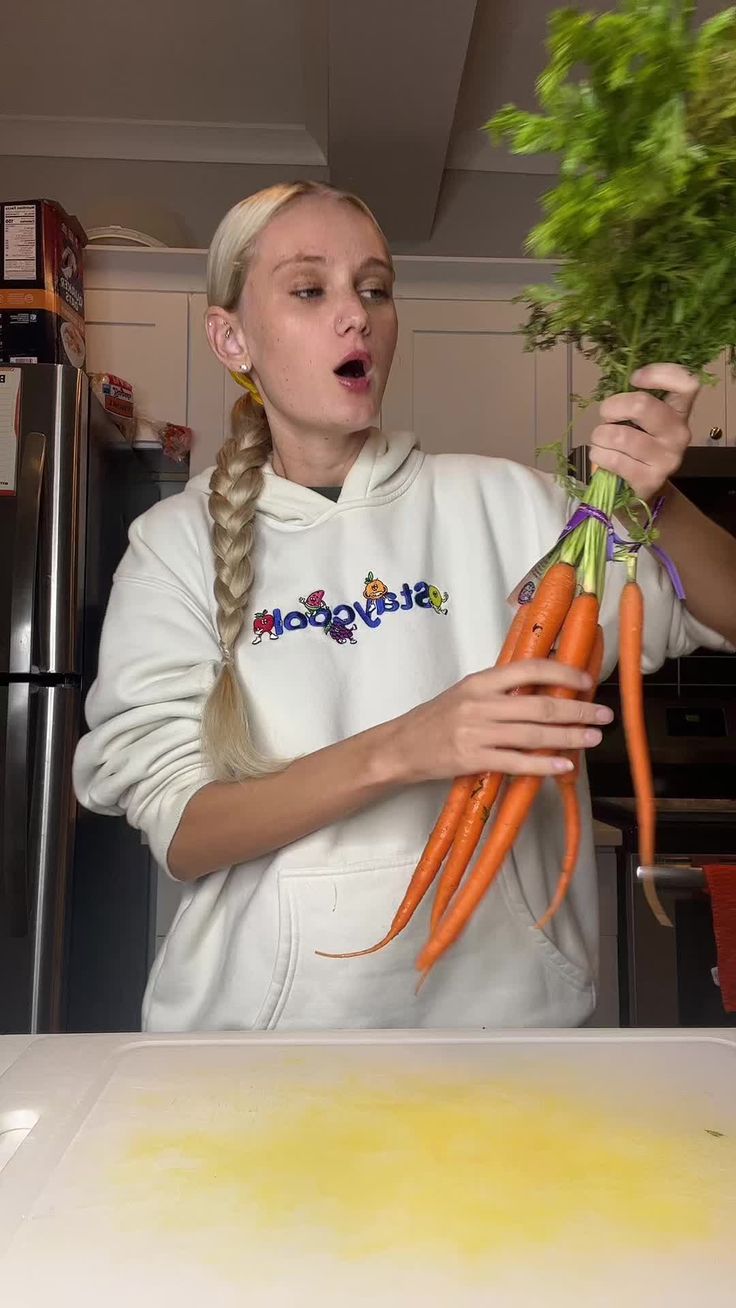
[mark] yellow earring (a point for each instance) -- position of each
(244, 380)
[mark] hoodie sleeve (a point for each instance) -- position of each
(157, 661)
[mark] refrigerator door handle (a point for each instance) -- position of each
(25, 554)
(14, 811)
(51, 850)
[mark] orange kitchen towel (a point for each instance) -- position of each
(721, 878)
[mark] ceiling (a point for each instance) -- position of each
(384, 97)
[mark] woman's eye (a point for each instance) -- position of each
(375, 293)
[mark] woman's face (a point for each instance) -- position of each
(317, 317)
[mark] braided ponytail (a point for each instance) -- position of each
(236, 484)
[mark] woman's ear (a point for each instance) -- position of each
(225, 335)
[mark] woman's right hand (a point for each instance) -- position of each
(477, 726)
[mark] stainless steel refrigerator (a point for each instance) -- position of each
(75, 888)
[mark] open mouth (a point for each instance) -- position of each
(353, 368)
(353, 373)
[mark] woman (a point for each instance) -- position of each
(354, 592)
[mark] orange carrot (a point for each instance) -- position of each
(571, 809)
(546, 613)
(631, 627)
(442, 834)
(575, 649)
(512, 635)
(567, 785)
(476, 814)
(427, 868)
(631, 634)
(539, 627)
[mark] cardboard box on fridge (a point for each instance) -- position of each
(41, 284)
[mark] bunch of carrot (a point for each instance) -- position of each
(560, 620)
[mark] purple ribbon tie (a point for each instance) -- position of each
(614, 541)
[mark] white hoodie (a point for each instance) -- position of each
(369, 606)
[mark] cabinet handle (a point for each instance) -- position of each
(715, 434)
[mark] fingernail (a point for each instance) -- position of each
(563, 765)
(592, 737)
(604, 715)
(586, 680)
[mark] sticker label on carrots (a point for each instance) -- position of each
(526, 589)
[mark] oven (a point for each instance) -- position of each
(668, 977)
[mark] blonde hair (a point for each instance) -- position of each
(236, 484)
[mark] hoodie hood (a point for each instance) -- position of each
(386, 466)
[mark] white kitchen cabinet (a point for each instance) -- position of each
(142, 335)
(463, 382)
(714, 408)
(730, 388)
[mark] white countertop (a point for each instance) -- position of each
(399, 1168)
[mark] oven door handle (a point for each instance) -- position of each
(675, 876)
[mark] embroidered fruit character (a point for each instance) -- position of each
(374, 589)
(341, 632)
(263, 625)
(437, 599)
(314, 603)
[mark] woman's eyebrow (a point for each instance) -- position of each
(372, 262)
(300, 258)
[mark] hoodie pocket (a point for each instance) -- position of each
(337, 910)
(511, 885)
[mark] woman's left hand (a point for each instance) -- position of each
(646, 458)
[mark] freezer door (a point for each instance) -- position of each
(37, 849)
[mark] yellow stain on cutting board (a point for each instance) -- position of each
(442, 1172)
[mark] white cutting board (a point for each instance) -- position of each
(552, 1169)
(11, 1047)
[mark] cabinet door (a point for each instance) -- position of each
(709, 414)
(463, 382)
(212, 392)
(730, 430)
(142, 336)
